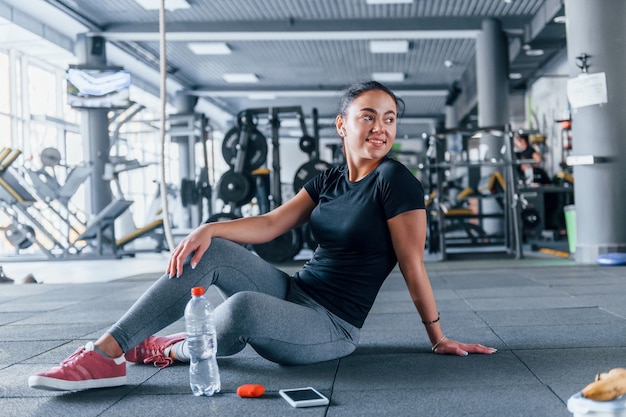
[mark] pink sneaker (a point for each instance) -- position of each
(84, 369)
(152, 350)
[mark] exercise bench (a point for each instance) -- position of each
(101, 228)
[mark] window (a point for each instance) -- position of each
(42, 91)
(5, 96)
(5, 131)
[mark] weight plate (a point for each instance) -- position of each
(222, 217)
(307, 144)
(21, 236)
(531, 219)
(256, 153)
(308, 171)
(203, 186)
(189, 194)
(236, 187)
(281, 249)
(50, 157)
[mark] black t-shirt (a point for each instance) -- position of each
(355, 252)
(526, 154)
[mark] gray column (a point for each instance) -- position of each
(454, 141)
(454, 147)
(185, 104)
(451, 117)
(492, 82)
(597, 29)
(492, 75)
(90, 50)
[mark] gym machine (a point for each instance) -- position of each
(447, 217)
(101, 231)
(57, 229)
(245, 150)
(543, 200)
(310, 169)
(196, 192)
(43, 223)
(187, 130)
(47, 187)
(314, 166)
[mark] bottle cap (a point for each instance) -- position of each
(197, 291)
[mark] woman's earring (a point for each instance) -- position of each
(342, 132)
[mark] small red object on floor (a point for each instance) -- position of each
(251, 390)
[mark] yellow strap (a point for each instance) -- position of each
(15, 153)
(261, 171)
(467, 191)
(500, 179)
(11, 191)
(4, 153)
(138, 232)
(459, 212)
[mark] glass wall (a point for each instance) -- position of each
(5, 101)
(36, 120)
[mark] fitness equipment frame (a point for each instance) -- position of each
(238, 186)
(19, 202)
(289, 244)
(55, 195)
(504, 186)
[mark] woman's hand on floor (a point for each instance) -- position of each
(452, 347)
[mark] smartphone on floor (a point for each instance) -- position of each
(303, 397)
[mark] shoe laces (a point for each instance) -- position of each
(156, 355)
(73, 357)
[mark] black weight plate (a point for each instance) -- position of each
(188, 192)
(256, 154)
(222, 217)
(281, 249)
(230, 143)
(236, 187)
(308, 171)
(531, 218)
(307, 144)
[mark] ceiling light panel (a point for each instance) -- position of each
(388, 77)
(389, 47)
(240, 78)
(388, 1)
(170, 5)
(209, 48)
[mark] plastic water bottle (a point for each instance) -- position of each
(204, 375)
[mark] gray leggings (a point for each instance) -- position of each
(264, 308)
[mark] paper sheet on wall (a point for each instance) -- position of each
(587, 90)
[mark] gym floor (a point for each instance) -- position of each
(555, 324)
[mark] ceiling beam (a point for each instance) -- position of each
(345, 29)
(314, 91)
(10, 14)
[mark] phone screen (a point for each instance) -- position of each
(302, 395)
